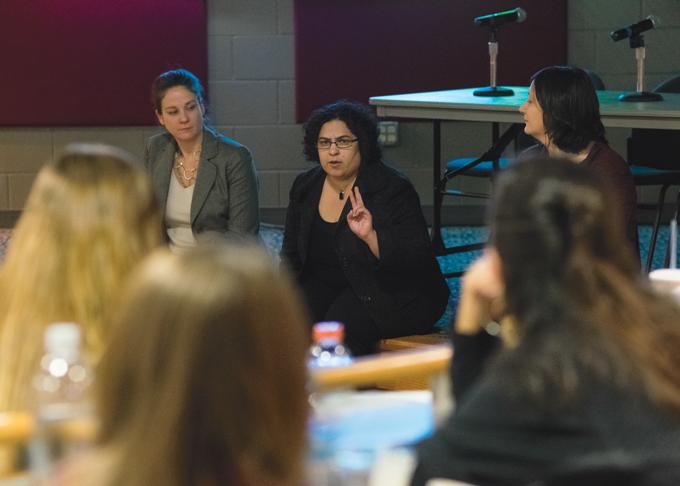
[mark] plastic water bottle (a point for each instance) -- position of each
(63, 408)
(328, 349)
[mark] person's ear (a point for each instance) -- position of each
(159, 116)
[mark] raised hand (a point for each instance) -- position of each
(360, 222)
(359, 219)
(482, 292)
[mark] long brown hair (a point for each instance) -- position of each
(582, 308)
(90, 218)
(205, 377)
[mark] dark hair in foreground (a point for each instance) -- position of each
(571, 110)
(204, 380)
(360, 120)
(574, 287)
(172, 79)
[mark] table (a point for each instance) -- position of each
(364, 438)
(462, 105)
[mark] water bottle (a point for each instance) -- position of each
(62, 405)
(328, 463)
(328, 349)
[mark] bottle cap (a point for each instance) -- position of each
(62, 338)
(328, 330)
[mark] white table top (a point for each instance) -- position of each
(462, 105)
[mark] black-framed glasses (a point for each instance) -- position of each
(341, 143)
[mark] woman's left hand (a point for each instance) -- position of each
(360, 221)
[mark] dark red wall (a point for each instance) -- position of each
(361, 48)
(91, 62)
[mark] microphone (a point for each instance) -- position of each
(634, 29)
(495, 20)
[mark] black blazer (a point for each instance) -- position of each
(404, 289)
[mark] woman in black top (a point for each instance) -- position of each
(588, 377)
(355, 236)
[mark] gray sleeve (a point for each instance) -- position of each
(244, 206)
(150, 153)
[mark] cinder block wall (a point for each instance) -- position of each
(591, 47)
(251, 86)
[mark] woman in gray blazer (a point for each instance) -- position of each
(205, 182)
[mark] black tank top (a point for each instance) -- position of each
(322, 262)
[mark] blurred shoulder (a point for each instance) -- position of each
(607, 161)
(309, 177)
(537, 150)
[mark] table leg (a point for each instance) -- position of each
(437, 242)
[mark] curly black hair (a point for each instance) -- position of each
(360, 120)
(571, 110)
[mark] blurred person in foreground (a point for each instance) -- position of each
(588, 374)
(89, 219)
(204, 381)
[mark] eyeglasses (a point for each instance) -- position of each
(341, 143)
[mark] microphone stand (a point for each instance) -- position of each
(637, 42)
(493, 90)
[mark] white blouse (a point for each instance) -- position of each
(178, 216)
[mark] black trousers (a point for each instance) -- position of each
(327, 303)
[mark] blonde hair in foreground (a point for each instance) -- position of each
(204, 381)
(90, 218)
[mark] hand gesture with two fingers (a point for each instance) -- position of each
(359, 219)
(360, 222)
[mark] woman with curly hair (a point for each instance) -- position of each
(90, 218)
(355, 236)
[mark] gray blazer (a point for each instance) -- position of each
(225, 201)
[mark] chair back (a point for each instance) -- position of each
(16, 429)
(595, 78)
(424, 362)
(659, 149)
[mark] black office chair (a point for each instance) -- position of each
(654, 158)
(486, 166)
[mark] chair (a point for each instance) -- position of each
(424, 363)
(15, 430)
(414, 341)
(654, 158)
(486, 167)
